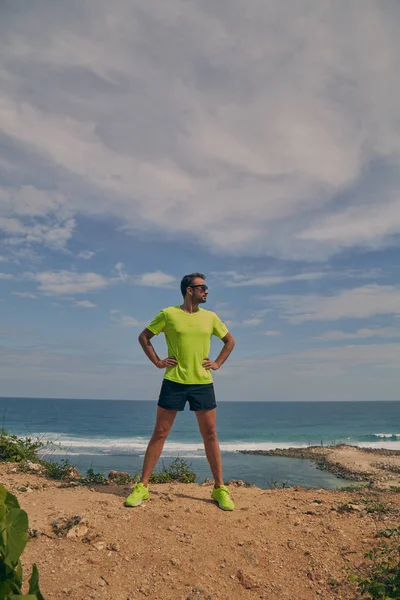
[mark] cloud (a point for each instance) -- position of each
(343, 358)
(382, 332)
(67, 283)
(253, 322)
(85, 304)
(6, 276)
(367, 225)
(357, 303)
(241, 127)
(154, 279)
(123, 320)
(234, 279)
(32, 216)
(25, 295)
(120, 270)
(270, 332)
(86, 254)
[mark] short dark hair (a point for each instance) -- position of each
(187, 280)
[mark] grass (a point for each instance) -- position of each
(22, 450)
(379, 578)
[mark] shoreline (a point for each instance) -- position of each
(375, 466)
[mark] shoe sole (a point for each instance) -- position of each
(138, 504)
(221, 507)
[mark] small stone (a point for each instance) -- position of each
(170, 498)
(175, 561)
(79, 530)
(115, 547)
(102, 583)
(355, 507)
(99, 545)
(72, 473)
(34, 467)
(291, 544)
(246, 581)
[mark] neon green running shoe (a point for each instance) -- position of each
(222, 497)
(139, 493)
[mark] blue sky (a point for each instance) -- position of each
(257, 143)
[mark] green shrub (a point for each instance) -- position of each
(178, 470)
(92, 478)
(380, 579)
(55, 470)
(15, 449)
(13, 538)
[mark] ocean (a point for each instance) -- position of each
(113, 434)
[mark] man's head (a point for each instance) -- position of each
(195, 286)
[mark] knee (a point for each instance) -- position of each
(210, 434)
(161, 432)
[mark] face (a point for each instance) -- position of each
(198, 293)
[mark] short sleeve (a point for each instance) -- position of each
(219, 328)
(157, 325)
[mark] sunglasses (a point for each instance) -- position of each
(203, 286)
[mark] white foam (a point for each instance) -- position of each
(137, 446)
(386, 435)
(384, 445)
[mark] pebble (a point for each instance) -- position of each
(99, 545)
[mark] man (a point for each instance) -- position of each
(188, 330)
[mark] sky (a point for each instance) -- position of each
(255, 142)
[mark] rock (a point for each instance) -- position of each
(34, 467)
(246, 581)
(355, 507)
(175, 561)
(115, 547)
(63, 525)
(79, 530)
(72, 473)
(99, 545)
(198, 593)
(208, 481)
(291, 544)
(119, 477)
(237, 482)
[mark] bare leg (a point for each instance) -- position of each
(207, 420)
(164, 422)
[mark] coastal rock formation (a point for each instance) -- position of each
(371, 465)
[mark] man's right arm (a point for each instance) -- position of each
(144, 341)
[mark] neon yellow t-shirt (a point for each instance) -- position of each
(188, 338)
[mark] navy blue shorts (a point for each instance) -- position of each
(173, 396)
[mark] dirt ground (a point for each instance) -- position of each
(289, 543)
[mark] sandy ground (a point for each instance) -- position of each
(277, 544)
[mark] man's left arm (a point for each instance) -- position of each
(229, 344)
